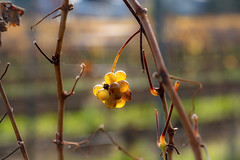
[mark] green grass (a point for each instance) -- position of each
(140, 116)
(137, 115)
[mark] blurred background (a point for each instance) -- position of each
(199, 40)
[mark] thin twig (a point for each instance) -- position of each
(206, 151)
(5, 71)
(172, 146)
(164, 76)
(12, 119)
(45, 17)
(195, 125)
(168, 120)
(121, 49)
(34, 42)
(70, 8)
(88, 140)
(153, 91)
(141, 47)
(11, 153)
(56, 16)
(170, 130)
(195, 92)
(119, 147)
(3, 117)
(77, 78)
(157, 126)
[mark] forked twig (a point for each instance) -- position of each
(45, 17)
(172, 146)
(77, 78)
(70, 8)
(88, 140)
(78, 144)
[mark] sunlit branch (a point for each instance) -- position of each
(121, 49)
(152, 89)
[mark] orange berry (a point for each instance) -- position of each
(111, 102)
(126, 96)
(121, 75)
(120, 103)
(96, 88)
(110, 78)
(124, 86)
(102, 94)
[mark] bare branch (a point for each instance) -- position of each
(101, 128)
(45, 17)
(87, 141)
(13, 122)
(58, 73)
(77, 78)
(164, 76)
(5, 71)
(11, 153)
